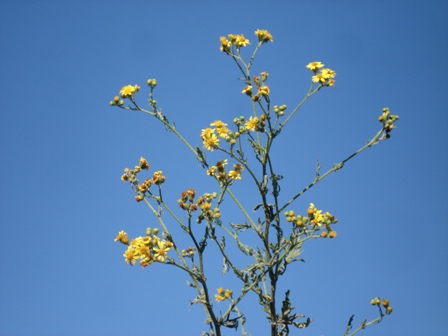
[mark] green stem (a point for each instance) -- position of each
(335, 168)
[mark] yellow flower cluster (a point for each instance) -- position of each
(314, 221)
(222, 176)
(385, 303)
(238, 40)
(210, 139)
(130, 175)
(148, 249)
(324, 76)
(223, 294)
(264, 36)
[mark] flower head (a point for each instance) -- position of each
(158, 178)
(238, 40)
(225, 44)
(264, 90)
(129, 90)
(263, 35)
(314, 66)
(252, 124)
(218, 124)
(130, 257)
(161, 251)
(210, 142)
(247, 90)
(143, 163)
(122, 238)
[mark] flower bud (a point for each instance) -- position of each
(148, 231)
(264, 76)
(156, 231)
(152, 83)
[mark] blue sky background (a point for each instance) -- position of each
(63, 149)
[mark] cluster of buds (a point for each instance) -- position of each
(262, 89)
(224, 177)
(279, 110)
(116, 101)
(388, 121)
(205, 205)
(385, 303)
(186, 201)
(323, 76)
(152, 83)
(130, 175)
(313, 222)
(189, 252)
(223, 294)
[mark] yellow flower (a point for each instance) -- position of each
(264, 90)
(238, 167)
(225, 44)
(210, 142)
(263, 35)
(158, 178)
(228, 293)
(218, 124)
(235, 175)
(146, 262)
(328, 73)
(314, 66)
(252, 124)
(207, 132)
(220, 165)
(129, 90)
(219, 298)
(161, 251)
(142, 250)
(318, 78)
(247, 90)
(122, 238)
(222, 132)
(211, 171)
(143, 163)
(129, 256)
(240, 40)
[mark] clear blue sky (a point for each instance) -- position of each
(62, 151)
